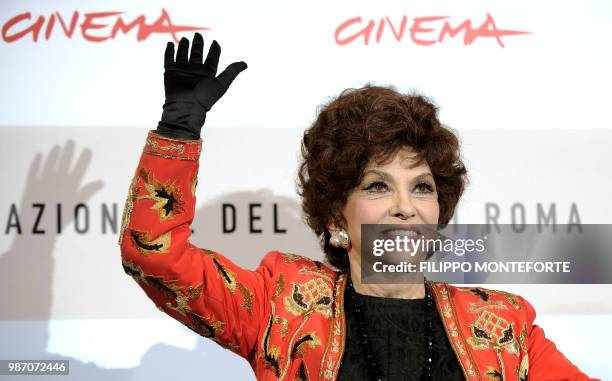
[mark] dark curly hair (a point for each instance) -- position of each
(371, 123)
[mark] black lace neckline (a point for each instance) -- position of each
(397, 338)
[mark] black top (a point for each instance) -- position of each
(396, 333)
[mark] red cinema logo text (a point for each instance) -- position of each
(424, 31)
(93, 27)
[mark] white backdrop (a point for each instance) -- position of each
(532, 114)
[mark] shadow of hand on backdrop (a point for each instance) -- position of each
(27, 268)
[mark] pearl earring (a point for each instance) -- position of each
(339, 238)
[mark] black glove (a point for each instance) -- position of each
(191, 87)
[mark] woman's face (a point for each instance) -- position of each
(391, 193)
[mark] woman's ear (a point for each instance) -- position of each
(331, 227)
(335, 224)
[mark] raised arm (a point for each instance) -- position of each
(202, 289)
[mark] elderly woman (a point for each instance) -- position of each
(373, 156)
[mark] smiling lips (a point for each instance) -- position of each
(409, 231)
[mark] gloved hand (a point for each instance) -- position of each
(192, 88)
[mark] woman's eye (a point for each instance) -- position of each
(424, 188)
(377, 187)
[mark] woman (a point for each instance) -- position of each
(373, 156)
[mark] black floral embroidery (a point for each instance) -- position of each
(494, 374)
(299, 342)
(481, 333)
(302, 375)
(170, 200)
(145, 245)
(314, 295)
(270, 358)
(222, 271)
(481, 293)
(298, 297)
(160, 285)
(229, 278)
(167, 196)
(508, 335)
(202, 327)
(133, 272)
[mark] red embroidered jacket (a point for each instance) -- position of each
(287, 316)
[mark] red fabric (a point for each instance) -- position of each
(287, 316)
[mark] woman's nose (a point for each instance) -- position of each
(402, 207)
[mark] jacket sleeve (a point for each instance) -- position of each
(200, 288)
(546, 362)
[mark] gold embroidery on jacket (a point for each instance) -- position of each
(512, 298)
(247, 298)
(492, 331)
(485, 295)
(284, 325)
(181, 299)
(194, 185)
(493, 374)
(314, 270)
(446, 305)
(523, 370)
(337, 334)
(325, 369)
(206, 327)
(500, 360)
(306, 298)
(309, 339)
(229, 279)
(170, 156)
(523, 338)
(228, 276)
(302, 373)
(289, 258)
(143, 242)
(128, 206)
(481, 305)
(455, 334)
(180, 295)
(172, 291)
(170, 147)
(279, 286)
(314, 295)
(160, 285)
(291, 341)
(328, 372)
(271, 354)
(447, 312)
(167, 198)
(133, 270)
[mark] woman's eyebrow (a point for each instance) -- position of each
(382, 174)
(388, 177)
(422, 176)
